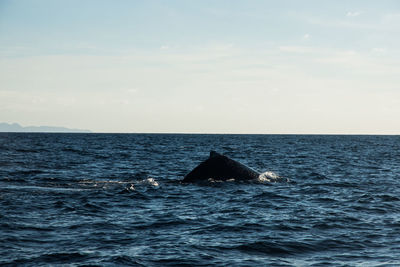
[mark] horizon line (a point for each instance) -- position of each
(202, 133)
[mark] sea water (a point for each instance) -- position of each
(117, 199)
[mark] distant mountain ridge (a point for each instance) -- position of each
(15, 127)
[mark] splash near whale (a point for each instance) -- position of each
(220, 167)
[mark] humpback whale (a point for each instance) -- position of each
(220, 167)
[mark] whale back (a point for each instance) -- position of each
(220, 167)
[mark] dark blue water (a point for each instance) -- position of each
(116, 199)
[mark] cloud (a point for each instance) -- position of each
(379, 51)
(353, 13)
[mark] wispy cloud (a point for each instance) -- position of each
(379, 51)
(353, 13)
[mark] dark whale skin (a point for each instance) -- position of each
(220, 167)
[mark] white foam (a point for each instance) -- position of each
(268, 177)
(151, 181)
(131, 188)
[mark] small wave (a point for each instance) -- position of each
(24, 227)
(54, 258)
(317, 176)
(28, 150)
(295, 247)
(26, 172)
(388, 198)
(275, 248)
(80, 152)
(123, 261)
(272, 196)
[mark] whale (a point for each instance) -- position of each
(220, 167)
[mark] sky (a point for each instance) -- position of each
(263, 67)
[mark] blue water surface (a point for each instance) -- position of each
(117, 199)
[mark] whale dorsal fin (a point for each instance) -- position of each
(214, 154)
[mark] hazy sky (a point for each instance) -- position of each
(202, 66)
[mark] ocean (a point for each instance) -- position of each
(118, 200)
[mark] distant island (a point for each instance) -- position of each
(15, 127)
